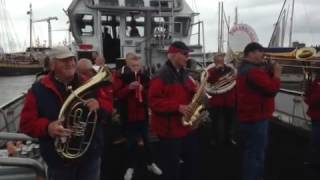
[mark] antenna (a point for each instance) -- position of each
(236, 16)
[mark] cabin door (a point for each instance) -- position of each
(110, 37)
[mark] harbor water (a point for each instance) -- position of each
(11, 87)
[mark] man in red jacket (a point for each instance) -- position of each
(170, 95)
(222, 106)
(39, 118)
(256, 89)
(130, 86)
(312, 98)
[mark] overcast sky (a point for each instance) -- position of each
(261, 15)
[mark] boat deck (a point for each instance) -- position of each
(285, 157)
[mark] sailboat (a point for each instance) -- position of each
(14, 63)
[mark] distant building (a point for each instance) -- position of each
(297, 44)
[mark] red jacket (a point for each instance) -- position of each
(42, 105)
(32, 121)
(169, 89)
(129, 106)
(312, 98)
(256, 90)
(227, 99)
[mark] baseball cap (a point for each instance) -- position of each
(179, 46)
(251, 47)
(60, 52)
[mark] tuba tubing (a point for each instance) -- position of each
(224, 84)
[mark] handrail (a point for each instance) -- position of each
(15, 137)
(5, 105)
(25, 162)
(128, 8)
(5, 118)
(292, 92)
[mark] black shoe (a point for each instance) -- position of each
(232, 142)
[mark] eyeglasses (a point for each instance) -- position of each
(185, 53)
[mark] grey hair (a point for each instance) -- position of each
(218, 55)
(85, 61)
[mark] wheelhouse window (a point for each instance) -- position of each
(135, 26)
(110, 26)
(134, 3)
(109, 2)
(182, 25)
(160, 27)
(85, 24)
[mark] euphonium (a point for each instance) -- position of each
(77, 117)
(194, 118)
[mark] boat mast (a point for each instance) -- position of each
(236, 16)
(274, 33)
(291, 24)
(30, 23)
(219, 16)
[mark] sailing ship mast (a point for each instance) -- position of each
(291, 24)
(30, 24)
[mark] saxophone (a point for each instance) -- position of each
(75, 116)
(194, 118)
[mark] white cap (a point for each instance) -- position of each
(60, 52)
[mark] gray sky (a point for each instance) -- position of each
(261, 15)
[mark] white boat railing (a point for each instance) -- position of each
(291, 109)
(10, 114)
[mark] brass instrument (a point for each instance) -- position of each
(298, 54)
(224, 83)
(76, 116)
(193, 120)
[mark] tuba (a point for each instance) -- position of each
(197, 106)
(224, 83)
(77, 117)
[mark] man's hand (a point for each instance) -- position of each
(55, 129)
(134, 85)
(185, 109)
(92, 104)
(277, 70)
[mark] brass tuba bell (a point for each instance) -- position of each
(77, 117)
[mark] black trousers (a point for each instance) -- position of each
(179, 158)
(223, 124)
(134, 132)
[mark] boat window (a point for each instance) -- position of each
(135, 3)
(110, 26)
(85, 24)
(135, 26)
(109, 2)
(160, 27)
(182, 25)
(155, 3)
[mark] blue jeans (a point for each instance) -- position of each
(254, 139)
(84, 170)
